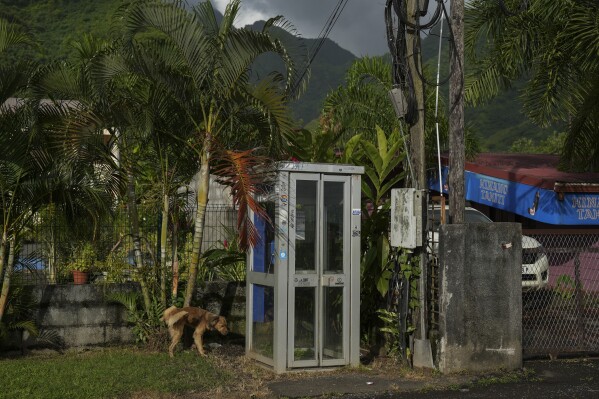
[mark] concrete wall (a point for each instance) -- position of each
(80, 315)
(480, 297)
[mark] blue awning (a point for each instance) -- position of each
(541, 204)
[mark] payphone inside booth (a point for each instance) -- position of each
(303, 277)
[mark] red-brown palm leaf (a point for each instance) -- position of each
(243, 171)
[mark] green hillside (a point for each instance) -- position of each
(56, 23)
(326, 72)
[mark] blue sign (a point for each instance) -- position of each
(532, 202)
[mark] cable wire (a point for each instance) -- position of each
(322, 36)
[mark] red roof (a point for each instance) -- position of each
(537, 170)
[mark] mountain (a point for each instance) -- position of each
(327, 71)
(56, 23)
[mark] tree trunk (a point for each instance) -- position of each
(134, 220)
(7, 276)
(163, 242)
(175, 263)
(456, 117)
(52, 272)
(2, 255)
(198, 234)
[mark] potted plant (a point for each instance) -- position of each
(84, 259)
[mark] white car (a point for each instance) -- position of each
(535, 265)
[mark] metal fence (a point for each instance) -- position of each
(560, 302)
(560, 292)
(50, 251)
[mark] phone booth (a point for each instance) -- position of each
(303, 278)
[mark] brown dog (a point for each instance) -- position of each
(201, 320)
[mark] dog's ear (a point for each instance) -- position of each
(213, 320)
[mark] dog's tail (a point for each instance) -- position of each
(168, 313)
(172, 315)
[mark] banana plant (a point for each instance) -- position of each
(382, 162)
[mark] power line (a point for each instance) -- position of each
(322, 36)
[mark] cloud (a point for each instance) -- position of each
(360, 28)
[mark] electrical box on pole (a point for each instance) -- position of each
(407, 214)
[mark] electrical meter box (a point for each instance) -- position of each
(407, 214)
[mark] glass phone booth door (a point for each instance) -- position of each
(319, 252)
(303, 277)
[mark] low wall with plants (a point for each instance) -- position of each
(82, 315)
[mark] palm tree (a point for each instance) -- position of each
(204, 67)
(552, 44)
(106, 103)
(38, 167)
(362, 106)
(51, 158)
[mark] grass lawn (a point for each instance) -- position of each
(108, 373)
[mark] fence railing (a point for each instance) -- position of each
(561, 315)
(560, 292)
(51, 250)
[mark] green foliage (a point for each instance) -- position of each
(19, 312)
(553, 144)
(56, 24)
(381, 160)
(565, 286)
(84, 257)
(227, 262)
(110, 373)
(147, 326)
(382, 166)
(410, 272)
(116, 266)
(390, 327)
(554, 46)
(362, 103)
(313, 145)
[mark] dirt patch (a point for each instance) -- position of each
(251, 380)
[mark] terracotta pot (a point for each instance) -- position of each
(80, 277)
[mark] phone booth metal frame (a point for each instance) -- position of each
(303, 278)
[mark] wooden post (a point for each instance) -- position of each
(417, 129)
(422, 350)
(456, 116)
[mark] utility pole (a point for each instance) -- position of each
(417, 129)
(456, 116)
(422, 347)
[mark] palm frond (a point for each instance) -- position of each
(129, 300)
(240, 170)
(12, 35)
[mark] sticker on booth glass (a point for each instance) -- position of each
(283, 255)
(356, 212)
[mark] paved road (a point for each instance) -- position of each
(556, 379)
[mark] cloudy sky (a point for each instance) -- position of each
(360, 28)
